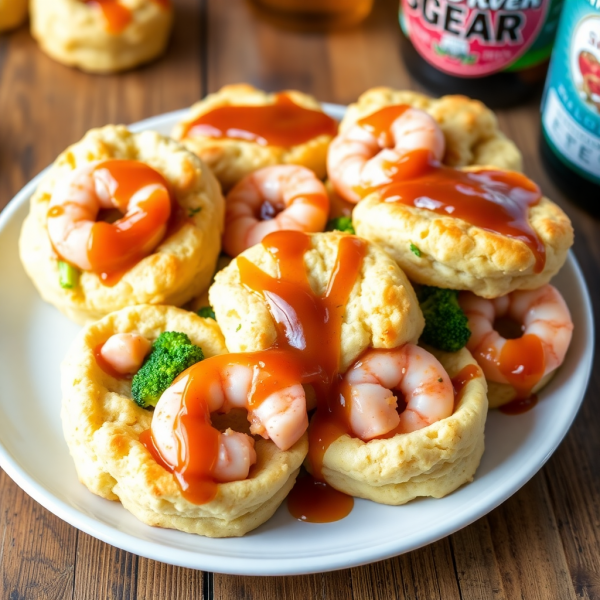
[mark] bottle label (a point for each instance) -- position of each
(571, 104)
(474, 38)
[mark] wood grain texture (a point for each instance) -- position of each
(544, 543)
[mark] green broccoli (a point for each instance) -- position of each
(172, 353)
(446, 325)
(207, 312)
(341, 224)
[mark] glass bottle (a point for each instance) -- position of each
(493, 50)
(570, 140)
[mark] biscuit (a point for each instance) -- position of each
(233, 159)
(12, 13)
(78, 34)
(180, 267)
(382, 309)
(102, 426)
(433, 461)
(454, 254)
(470, 128)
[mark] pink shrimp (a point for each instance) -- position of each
(270, 199)
(131, 187)
(361, 156)
(227, 382)
(542, 313)
(410, 370)
(125, 352)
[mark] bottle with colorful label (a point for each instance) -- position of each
(494, 50)
(571, 104)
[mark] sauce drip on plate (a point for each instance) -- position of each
(520, 405)
(315, 501)
(283, 123)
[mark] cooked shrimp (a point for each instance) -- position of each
(221, 385)
(236, 456)
(413, 372)
(271, 199)
(235, 451)
(362, 158)
(542, 313)
(131, 187)
(125, 352)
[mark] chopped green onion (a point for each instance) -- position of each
(415, 250)
(194, 211)
(68, 275)
(239, 327)
(207, 312)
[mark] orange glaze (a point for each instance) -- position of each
(116, 16)
(198, 450)
(306, 351)
(107, 367)
(380, 122)
(315, 501)
(310, 326)
(495, 200)
(460, 380)
(283, 123)
(498, 201)
(521, 361)
(115, 247)
(466, 374)
(519, 406)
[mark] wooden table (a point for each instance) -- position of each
(543, 543)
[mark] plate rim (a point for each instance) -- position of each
(285, 566)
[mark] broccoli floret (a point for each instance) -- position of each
(446, 325)
(341, 224)
(168, 340)
(172, 353)
(207, 312)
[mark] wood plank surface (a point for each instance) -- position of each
(543, 543)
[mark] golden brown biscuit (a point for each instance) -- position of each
(433, 461)
(83, 35)
(102, 426)
(12, 13)
(382, 309)
(452, 253)
(232, 159)
(470, 128)
(178, 269)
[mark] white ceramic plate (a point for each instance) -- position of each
(34, 337)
